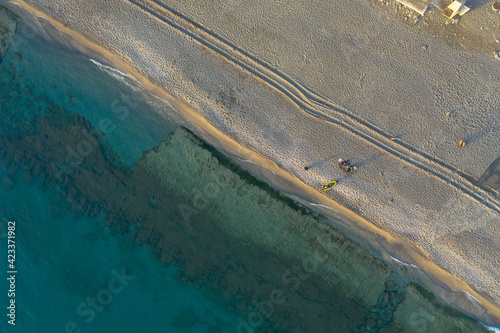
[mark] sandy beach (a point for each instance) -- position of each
(279, 86)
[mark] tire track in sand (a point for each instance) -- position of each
(319, 106)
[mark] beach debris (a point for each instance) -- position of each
(306, 168)
(457, 7)
(425, 47)
(461, 144)
(496, 6)
(448, 114)
(346, 165)
(497, 55)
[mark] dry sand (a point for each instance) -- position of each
(282, 85)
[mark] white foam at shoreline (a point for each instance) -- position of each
(321, 205)
(113, 70)
(405, 263)
(121, 76)
(36, 15)
(469, 296)
(472, 298)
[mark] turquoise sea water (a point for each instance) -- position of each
(62, 260)
(139, 226)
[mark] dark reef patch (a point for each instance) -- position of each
(8, 24)
(269, 261)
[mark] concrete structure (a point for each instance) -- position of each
(455, 8)
(420, 6)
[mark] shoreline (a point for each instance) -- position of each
(288, 183)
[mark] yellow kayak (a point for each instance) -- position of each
(329, 185)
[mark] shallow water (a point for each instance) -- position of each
(63, 259)
(126, 222)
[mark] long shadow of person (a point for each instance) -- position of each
(318, 163)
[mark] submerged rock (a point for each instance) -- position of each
(184, 320)
(8, 24)
(420, 311)
(236, 239)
